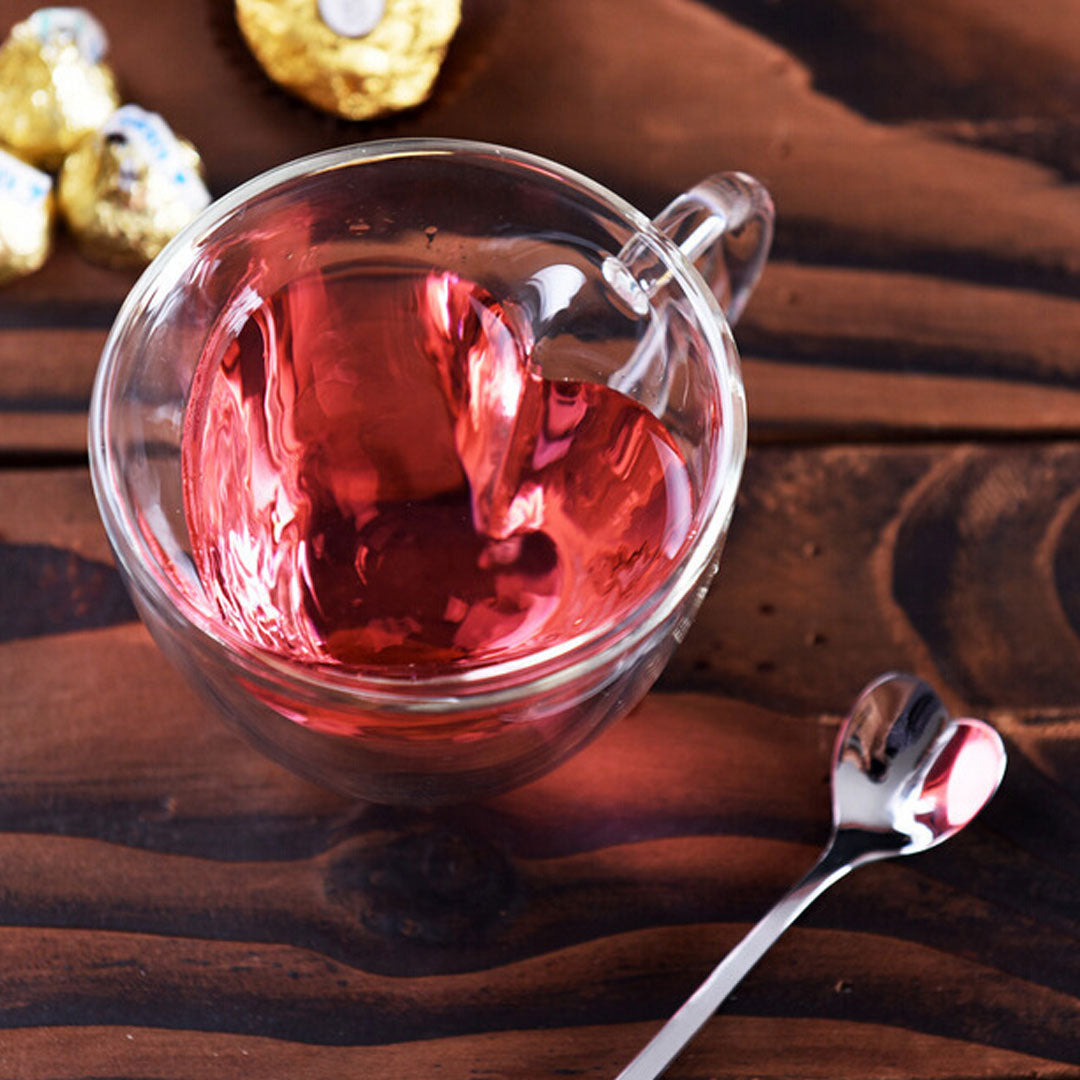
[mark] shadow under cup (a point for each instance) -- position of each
(607, 299)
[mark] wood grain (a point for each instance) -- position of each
(953, 559)
(186, 882)
(173, 905)
(899, 249)
(950, 559)
(730, 1047)
(827, 352)
(959, 60)
(204, 887)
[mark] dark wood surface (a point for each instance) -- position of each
(174, 906)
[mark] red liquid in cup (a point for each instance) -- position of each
(376, 476)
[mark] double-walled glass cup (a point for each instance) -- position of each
(611, 298)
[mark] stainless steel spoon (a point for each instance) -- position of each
(905, 777)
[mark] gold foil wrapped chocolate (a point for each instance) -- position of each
(129, 188)
(26, 217)
(54, 86)
(356, 58)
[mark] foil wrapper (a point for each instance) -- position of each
(54, 85)
(356, 58)
(26, 217)
(129, 188)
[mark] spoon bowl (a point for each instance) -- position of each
(905, 777)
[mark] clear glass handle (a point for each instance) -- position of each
(724, 225)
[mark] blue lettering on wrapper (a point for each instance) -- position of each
(57, 25)
(158, 146)
(22, 183)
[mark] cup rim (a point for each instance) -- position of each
(483, 685)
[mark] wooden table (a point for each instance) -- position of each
(174, 906)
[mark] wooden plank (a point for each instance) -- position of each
(55, 508)
(299, 995)
(388, 919)
(976, 59)
(114, 979)
(161, 875)
(730, 1048)
(899, 252)
(345, 943)
(68, 290)
(896, 322)
(115, 675)
(788, 402)
(791, 402)
(829, 352)
(843, 561)
(44, 365)
(45, 433)
(955, 560)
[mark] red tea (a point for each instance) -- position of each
(375, 474)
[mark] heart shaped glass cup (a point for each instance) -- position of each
(417, 456)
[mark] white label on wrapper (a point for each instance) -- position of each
(22, 185)
(352, 18)
(155, 140)
(55, 25)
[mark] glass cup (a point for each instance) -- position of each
(641, 306)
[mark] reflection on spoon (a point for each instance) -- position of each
(905, 777)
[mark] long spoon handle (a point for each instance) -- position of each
(685, 1024)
